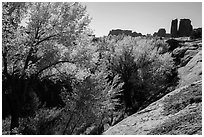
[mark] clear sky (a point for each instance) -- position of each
(144, 17)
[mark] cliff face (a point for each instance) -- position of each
(185, 28)
(178, 112)
(196, 33)
(174, 26)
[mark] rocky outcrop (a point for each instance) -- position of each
(185, 28)
(174, 26)
(124, 32)
(185, 52)
(161, 33)
(135, 34)
(192, 71)
(188, 58)
(173, 44)
(197, 33)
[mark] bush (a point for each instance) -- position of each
(143, 69)
(44, 122)
(6, 126)
(114, 78)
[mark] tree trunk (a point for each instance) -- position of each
(14, 103)
(16, 86)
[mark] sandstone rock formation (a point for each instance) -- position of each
(125, 32)
(135, 34)
(174, 26)
(185, 52)
(169, 115)
(192, 71)
(173, 44)
(161, 33)
(197, 33)
(185, 28)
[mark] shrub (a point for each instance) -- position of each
(45, 121)
(143, 69)
(6, 126)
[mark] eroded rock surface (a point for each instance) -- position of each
(192, 71)
(158, 118)
(117, 32)
(185, 52)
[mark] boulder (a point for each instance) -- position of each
(178, 54)
(173, 44)
(185, 28)
(174, 26)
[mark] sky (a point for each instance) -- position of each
(143, 17)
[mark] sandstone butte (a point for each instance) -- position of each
(178, 112)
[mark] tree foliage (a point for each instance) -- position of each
(145, 69)
(34, 35)
(58, 80)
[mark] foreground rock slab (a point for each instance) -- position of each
(179, 112)
(192, 71)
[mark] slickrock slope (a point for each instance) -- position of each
(192, 71)
(179, 112)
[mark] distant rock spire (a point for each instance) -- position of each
(174, 27)
(185, 28)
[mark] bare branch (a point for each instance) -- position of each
(46, 38)
(27, 59)
(53, 64)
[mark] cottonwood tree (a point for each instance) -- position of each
(145, 71)
(35, 37)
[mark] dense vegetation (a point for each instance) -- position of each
(58, 80)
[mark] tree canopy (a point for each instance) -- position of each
(59, 79)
